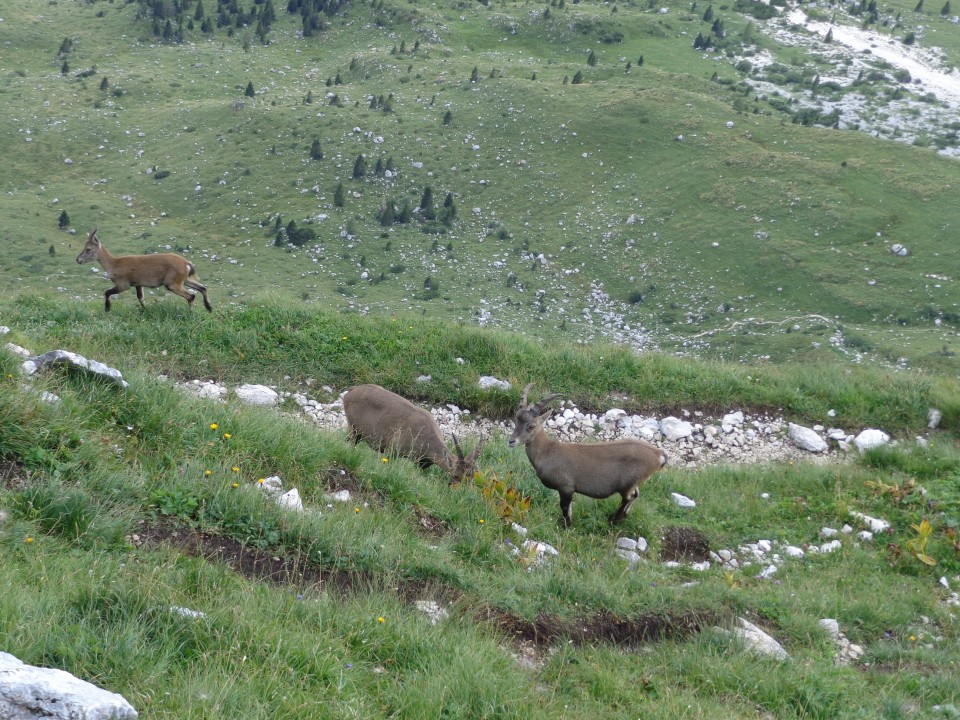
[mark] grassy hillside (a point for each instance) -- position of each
(126, 512)
(139, 551)
(763, 240)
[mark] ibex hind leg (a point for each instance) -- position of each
(202, 289)
(625, 506)
(565, 502)
(140, 296)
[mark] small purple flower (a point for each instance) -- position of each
(349, 665)
(299, 596)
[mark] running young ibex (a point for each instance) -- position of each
(142, 271)
(390, 422)
(597, 470)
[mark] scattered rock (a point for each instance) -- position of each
(488, 381)
(32, 693)
(682, 500)
(436, 612)
(870, 438)
(806, 439)
(187, 612)
(756, 640)
(876, 525)
(674, 429)
(64, 357)
(257, 395)
(291, 499)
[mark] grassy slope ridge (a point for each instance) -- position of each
(90, 485)
(284, 345)
(802, 217)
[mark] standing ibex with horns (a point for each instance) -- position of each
(143, 271)
(390, 422)
(597, 470)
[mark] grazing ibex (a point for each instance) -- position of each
(143, 271)
(597, 470)
(390, 422)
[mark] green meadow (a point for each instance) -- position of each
(657, 237)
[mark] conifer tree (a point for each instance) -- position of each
(338, 196)
(249, 92)
(359, 167)
(64, 220)
(426, 204)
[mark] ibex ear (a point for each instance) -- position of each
(93, 236)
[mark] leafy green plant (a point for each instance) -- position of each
(509, 503)
(174, 503)
(917, 546)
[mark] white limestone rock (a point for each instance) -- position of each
(436, 612)
(257, 395)
(291, 500)
(806, 439)
(876, 525)
(674, 429)
(757, 641)
(31, 693)
(870, 438)
(682, 500)
(488, 381)
(64, 357)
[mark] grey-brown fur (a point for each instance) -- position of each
(390, 422)
(167, 270)
(597, 470)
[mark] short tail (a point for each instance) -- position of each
(664, 458)
(191, 270)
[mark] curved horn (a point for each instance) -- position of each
(456, 444)
(542, 404)
(472, 458)
(526, 391)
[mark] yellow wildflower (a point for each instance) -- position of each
(208, 473)
(213, 426)
(226, 436)
(29, 540)
(380, 619)
(235, 468)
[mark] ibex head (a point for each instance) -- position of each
(462, 468)
(91, 250)
(530, 417)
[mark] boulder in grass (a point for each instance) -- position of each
(33, 693)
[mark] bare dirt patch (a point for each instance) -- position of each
(430, 524)
(684, 544)
(600, 628)
(541, 633)
(13, 476)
